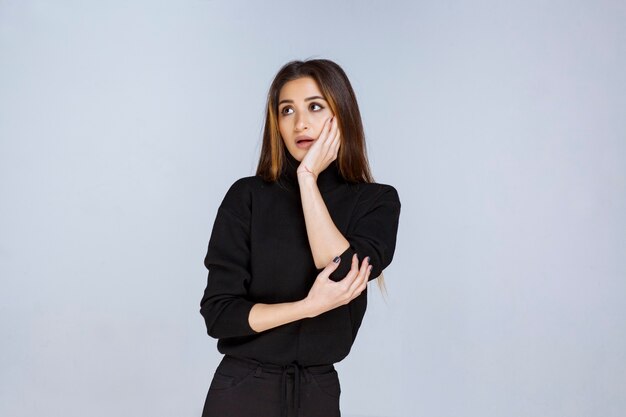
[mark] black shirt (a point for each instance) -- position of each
(259, 252)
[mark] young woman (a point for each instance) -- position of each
(292, 250)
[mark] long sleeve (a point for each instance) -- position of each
(224, 305)
(374, 231)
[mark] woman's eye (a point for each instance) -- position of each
(286, 110)
(316, 107)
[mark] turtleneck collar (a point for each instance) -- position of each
(326, 180)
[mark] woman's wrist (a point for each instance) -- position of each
(307, 180)
(304, 174)
(307, 308)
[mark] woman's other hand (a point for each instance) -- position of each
(322, 152)
(326, 294)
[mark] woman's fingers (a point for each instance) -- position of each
(335, 144)
(332, 265)
(326, 294)
(346, 282)
(323, 151)
(357, 279)
(326, 130)
(328, 138)
(360, 282)
(334, 140)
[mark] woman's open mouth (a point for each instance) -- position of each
(304, 142)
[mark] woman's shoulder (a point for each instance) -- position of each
(243, 187)
(245, 183)
(375, 191)
(238, 199)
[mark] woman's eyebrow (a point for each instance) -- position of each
(306, 99)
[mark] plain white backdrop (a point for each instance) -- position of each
(501, 124)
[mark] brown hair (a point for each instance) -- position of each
(335, 86)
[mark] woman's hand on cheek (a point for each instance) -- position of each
(322, 152)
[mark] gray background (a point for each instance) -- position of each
(501, 124)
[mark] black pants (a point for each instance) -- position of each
(246, 388)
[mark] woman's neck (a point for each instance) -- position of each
(327, 179)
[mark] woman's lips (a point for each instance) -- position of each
(304, 143)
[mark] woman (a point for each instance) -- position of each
(292, 250)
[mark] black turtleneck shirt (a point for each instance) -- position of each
(259, 252)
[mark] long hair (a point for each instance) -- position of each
(335, 86)
(333, 82)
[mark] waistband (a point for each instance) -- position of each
(297, 370)
(275, 368)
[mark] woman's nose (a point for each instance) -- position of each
(302, 122)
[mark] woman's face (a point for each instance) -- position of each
(302, 111)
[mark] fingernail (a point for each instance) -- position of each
(367, 259)
(336, 259)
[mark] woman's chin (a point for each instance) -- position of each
(298, 154)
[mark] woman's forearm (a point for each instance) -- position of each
(323, 296)
(325, 239)
(267, 316)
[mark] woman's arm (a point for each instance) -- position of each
(375, 223)
(224, 305)
(325, 239)
(323, 296)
